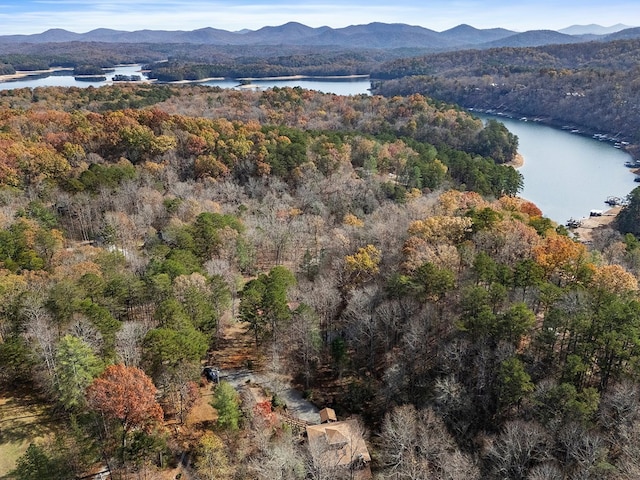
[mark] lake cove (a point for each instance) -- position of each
(337, 85)
(347, 85)
(567, 175)
(65, 78)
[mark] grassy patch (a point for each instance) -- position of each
(23, 420)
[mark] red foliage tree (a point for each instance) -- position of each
(125, 394)
(264, 410)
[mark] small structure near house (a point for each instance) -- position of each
(338, 445)
(595, 213)
(328, 415)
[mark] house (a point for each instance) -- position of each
(339, 445)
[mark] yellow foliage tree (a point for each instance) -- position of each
(210, 166)
(353, 221)
(441, 229)
(38, 161)
(453, 202)
(211, 457)
(363, 264)
(614, 279)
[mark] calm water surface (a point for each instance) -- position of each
(339, 86)
(566, 175)
(67, 80)
(346, 86)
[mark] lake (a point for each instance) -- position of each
(66, 79)
(565, 174)
(339, 86)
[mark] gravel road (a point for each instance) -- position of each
(296, 404)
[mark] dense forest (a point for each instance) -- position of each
(42, 57)
(374, 249)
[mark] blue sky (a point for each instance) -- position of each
(34, 16)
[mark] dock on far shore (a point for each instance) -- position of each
(586, 225)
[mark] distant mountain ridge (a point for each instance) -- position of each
(373, 35)
(593, 29)
(535, 38)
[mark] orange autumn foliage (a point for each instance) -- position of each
(520, 205)
(125, 394)
(560, 255)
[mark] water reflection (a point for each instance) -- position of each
(65, 78)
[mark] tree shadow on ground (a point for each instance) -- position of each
(24, 419)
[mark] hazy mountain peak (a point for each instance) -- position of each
(58, 35)
(289, 26)
(467, 35)
(56, 30)
(463, 27)
(593, 29)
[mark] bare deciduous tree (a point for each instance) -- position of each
(520, 446)
(129, 342)
(281, 459)
(43, 335)
(82, 328)
(416, 444)
(305, 341)
(546, 471)
(584, 451)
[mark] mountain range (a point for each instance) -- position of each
(373, 35)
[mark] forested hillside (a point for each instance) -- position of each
(374, 249)
(589, 86)
(192, 62)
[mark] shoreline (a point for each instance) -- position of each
(517, 162)
(632, 149)
(21, 74)
(266, 79)
(589, 224)
(302, 77)
(186, 82)
(25, 74)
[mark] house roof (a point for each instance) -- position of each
(335, 436)
(337, 443)
(328, 415)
